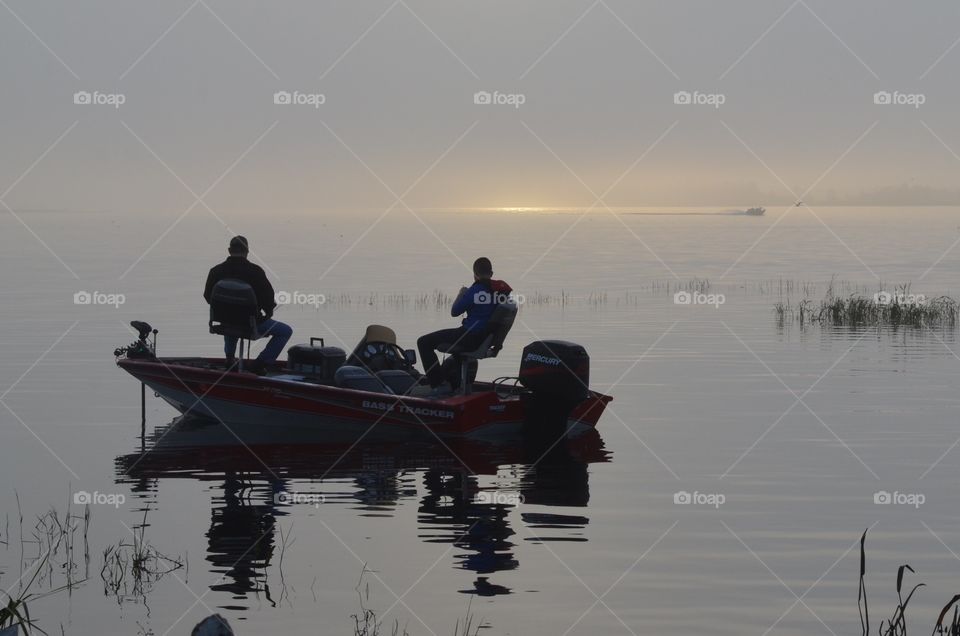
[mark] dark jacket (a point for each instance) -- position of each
(241, 269)
(479, 301)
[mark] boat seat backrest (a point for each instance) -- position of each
(234, 309)
(400, 382)
(499, 325)
(359, 379)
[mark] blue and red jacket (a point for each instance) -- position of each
(479, 301)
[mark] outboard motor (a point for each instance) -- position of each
(557, 373)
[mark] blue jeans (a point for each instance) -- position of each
(278, 332)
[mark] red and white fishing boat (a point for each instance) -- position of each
(318, 386)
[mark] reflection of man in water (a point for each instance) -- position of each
(478, 527)
(241, 538)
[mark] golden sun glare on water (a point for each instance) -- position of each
(528, 209)
(506, 209)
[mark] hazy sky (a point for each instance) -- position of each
(597, 80)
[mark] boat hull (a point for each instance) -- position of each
(198, 387)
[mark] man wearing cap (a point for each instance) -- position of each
(478, 302)
(238, 267)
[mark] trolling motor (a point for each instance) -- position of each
(142, 348)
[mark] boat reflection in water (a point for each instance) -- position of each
(255, 475)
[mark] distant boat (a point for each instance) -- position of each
(756, 212)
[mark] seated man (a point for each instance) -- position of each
(238, 267)
(478, 301)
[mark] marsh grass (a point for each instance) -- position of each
(425, 301)
(901, 309)
(465, 625)
(438, 300)
(637, 295)
(671, 286)
(54, 536)
(896, 625)
(17, 612)
(366, 622)
(131, 568)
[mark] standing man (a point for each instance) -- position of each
(478, 302)
(238, 267)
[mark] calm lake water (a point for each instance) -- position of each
(781, 434)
